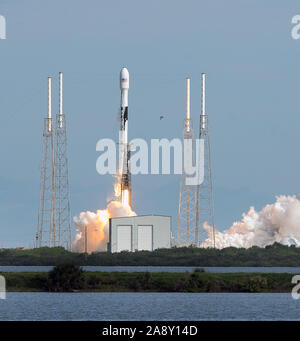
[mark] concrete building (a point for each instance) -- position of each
(149, 232)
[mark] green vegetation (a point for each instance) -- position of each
(274, 255)
(66, 278)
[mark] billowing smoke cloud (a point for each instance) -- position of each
(278, 222)
(95, 226)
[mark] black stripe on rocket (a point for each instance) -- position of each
(124, 117)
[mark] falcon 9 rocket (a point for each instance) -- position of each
(124, 150)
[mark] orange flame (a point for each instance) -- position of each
(93, 227)
(125, 198)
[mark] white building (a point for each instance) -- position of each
(149, 232)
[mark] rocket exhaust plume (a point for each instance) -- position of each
(278, 222)
(93, 227)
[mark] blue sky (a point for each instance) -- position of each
(252, 66)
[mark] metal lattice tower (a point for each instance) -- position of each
(186, 229)
(63, 213)
(46, 229)
(204, 202)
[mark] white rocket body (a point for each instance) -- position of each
(124, 86)
(124, 156)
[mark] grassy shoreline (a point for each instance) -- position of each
(157, 282)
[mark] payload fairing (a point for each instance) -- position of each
(124, 150)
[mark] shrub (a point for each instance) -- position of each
(65, 277)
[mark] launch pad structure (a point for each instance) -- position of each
(46, 229)
(54, 216)
(196, 201)
(187, 196)
(204, 201)
(62, 194)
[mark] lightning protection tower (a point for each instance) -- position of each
(186, 229)
(204, 202)
(63, 214)
(46, 229)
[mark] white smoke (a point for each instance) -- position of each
(95, 226)
(278, 222)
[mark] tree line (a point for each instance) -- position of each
(273, 255)
(71, 278)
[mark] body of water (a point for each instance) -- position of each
(294, 270)
(148, 306)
